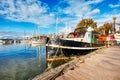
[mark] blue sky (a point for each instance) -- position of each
(29, 16)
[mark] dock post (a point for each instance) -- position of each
(46, 56)
(108, 44)
(48, 64)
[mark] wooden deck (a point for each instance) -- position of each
(102, 66)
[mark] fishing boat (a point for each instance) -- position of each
(76, 43)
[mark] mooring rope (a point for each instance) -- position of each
(54, 55)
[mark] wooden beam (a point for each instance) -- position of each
(59, 59)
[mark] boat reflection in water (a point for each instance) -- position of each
(21, 62)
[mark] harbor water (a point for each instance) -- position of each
(21, 61)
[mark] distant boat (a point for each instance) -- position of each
(1, 42)
(76, 43)
(25, 40)
(38, 41)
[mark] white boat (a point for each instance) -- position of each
(24, 41)
(1, 42)
(117, 37)
(38, 42)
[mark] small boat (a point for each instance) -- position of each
(38, 41)
(117, 38)
(24, 41)
(76, 43)
(1, 42)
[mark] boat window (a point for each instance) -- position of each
(80, 35)
(70, 36)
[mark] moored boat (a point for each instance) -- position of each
(117, 38)
(42, 40)
(1, 42)
(76, 43)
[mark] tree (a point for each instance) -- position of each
(105, 28)
(84, 24)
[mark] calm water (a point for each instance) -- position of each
(21, 62)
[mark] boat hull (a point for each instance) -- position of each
(70, 47)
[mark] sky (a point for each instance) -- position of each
(28, 17)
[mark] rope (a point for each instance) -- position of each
(54, 55)
(62, 53)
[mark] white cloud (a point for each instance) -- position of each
(82, 9)
(10, 34)
(93, 12)
(66, 29)
(108, 18)
(94, 1)
(79, 7)
(37, 12)
(114, 5)
(26, 11)
(77, 10)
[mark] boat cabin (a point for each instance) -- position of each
(88, 36)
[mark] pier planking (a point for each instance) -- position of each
(103, 66)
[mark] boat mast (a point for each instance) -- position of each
(57, 25)
(24, 35)
(114, 19)
(38, 31)
(67, 29)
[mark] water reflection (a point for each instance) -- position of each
(21, 62)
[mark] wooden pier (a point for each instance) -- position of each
(103, 64)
